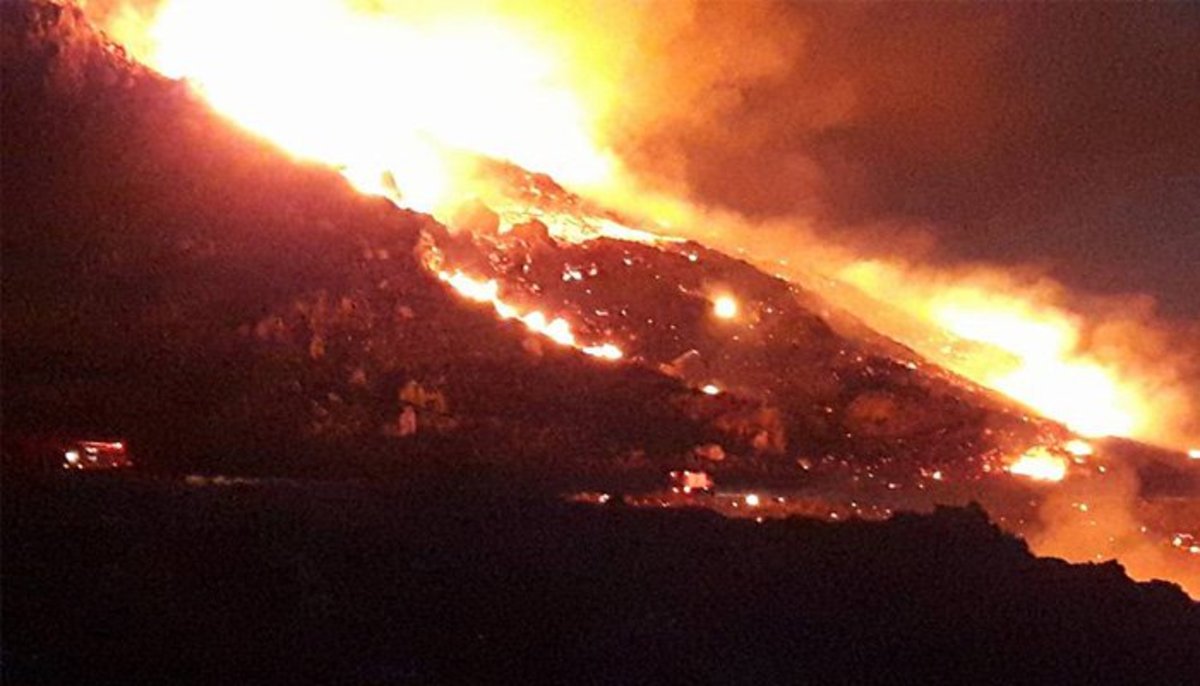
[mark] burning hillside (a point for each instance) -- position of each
(228, 307)
(556, 91)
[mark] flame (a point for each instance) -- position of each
(725, 307)
(1032, 352)
(388, 101)
(1079, 448)
(1040, 465)
(557, 329)
(1049, 377)
(373, 93)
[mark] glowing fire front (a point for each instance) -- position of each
(1049, 377)
(557, 329)
(354, 88)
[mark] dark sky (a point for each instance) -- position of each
(1063, 135)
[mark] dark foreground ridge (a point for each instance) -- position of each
(123, 581)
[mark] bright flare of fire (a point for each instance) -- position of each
(1035, 355)
(1040, 465)
(557, 329)
(725, 307)
(1079, 448)
(331, 81)
(1050, 378)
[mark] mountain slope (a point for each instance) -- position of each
(172, 279)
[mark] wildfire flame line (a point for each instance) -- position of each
(557, 329)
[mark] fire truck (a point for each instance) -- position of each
(67, 454)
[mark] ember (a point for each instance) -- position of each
(725, 307)
(1038, 464)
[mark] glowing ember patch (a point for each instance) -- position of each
(557, 329)
(1194, 453)
(606, 351)
(1038, 464)
(1078, 447)
(710, 389)
(752, 500)
(725, 307)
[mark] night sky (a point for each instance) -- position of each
(1065, 136)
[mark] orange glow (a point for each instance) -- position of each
(575, 228)
(1031, 352)
(371, 93)
(557, 329)
(1194, 453)
(710, 389)
(1079, 392)
(1079, 448)
(1038, 464)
